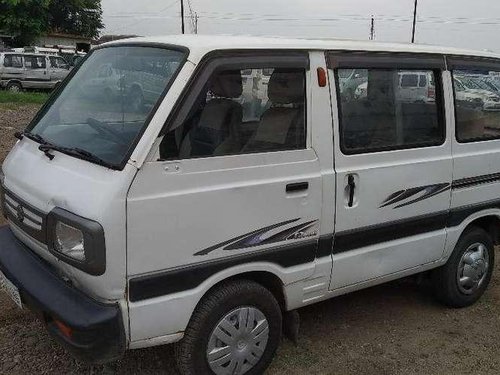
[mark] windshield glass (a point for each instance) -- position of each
(105, 106)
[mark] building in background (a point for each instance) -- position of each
(66, 41)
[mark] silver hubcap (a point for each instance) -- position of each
(473, 268)
(238, 341)
(14, 88)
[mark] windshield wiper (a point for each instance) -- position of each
(34, 137)
(74, 151)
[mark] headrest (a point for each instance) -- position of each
(286, 86)
(227, 84)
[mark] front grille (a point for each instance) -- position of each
(25, 217)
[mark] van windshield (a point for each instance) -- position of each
(105, 106)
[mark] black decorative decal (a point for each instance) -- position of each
(417, 193)
(258, 237)
(477, 180)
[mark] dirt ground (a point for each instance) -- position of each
(395, 328)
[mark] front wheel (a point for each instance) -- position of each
(466, 275)
(235, 329)
(14, 87)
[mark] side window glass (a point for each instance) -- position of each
(53, 62)
(383, 114)
(62, 63)
(240, 112)
(477, 105)
(409, 80)
(35, 62)
(13, 61)
(423, 81)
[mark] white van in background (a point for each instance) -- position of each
(185, 221)
(20, 71)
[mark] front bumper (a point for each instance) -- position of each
(97, 332)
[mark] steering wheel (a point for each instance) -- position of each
(106, 131)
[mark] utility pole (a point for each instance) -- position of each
(182, 16)
(414, 22)
(196, 23)
(372, 29)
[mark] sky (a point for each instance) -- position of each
(459, 23)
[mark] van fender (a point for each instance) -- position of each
(171, 313)
(454, 232)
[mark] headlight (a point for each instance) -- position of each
(69, 241)
(77, 241)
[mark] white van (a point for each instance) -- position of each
(183, 222)
(19, 71)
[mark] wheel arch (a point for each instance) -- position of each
(267, 279)
(14, 80)
(490, 224)
(489, 220)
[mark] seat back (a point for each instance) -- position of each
(219, 118)
(281, 126)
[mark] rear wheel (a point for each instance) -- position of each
(235, 329)
(14, 87)
(466, 275)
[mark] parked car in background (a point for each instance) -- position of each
(21, 71)
(413, 87)
(349, 80)
(473, 95)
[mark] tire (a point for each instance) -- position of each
(471, 269)
(192, 351)
(14, 87)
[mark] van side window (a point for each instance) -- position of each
(409, 80)
(390, 109)
(13, 61)
(477, 105)
(35, 62)
(241, 112)
(58, 62)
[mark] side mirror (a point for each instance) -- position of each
(357, 75)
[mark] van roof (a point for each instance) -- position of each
(199, 45)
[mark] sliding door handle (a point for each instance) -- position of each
(298, 186)
(351, 186)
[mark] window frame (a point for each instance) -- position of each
(469, 63)
(12, 55)
(233, 60)
(59, 89)
(36, 57)
(401, 61)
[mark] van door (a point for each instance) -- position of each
(36, 72)
(59, 68)
(233, 182)
(394, 170)
(12, 67)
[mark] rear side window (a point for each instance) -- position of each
(477, 105)
(58, 62)
(13, 61)
(242, 111)
(35, 62)
(423, 81)
(409, 80)
(383, 114)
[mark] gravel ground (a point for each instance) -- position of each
(396, 328)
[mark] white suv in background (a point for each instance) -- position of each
(19, 71)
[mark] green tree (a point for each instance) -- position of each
(80, 17)
(24, 19)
